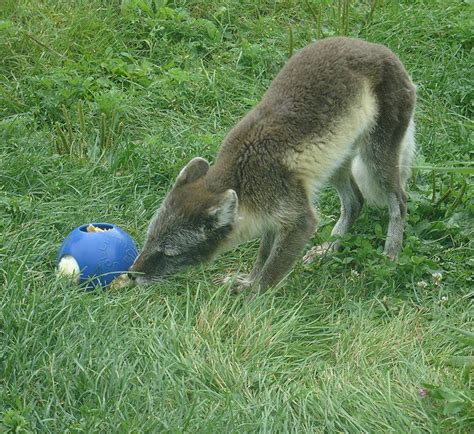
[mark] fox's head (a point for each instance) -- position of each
(188, 228)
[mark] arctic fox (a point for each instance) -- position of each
(341, 112)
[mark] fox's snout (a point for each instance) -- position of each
(136, 269)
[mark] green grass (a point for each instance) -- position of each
(101, 104)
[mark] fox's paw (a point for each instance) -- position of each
(317, 251)
(238, 283)
(393, 256)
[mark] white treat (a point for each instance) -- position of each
(120, 282)
(68, 267)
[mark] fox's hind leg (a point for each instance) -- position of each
(351, 201)
(381, 171)
(351, 204)
(397, 199)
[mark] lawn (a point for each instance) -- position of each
(101, 104)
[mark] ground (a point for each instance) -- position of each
(101, 104)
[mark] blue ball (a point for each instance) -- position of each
(100, 256)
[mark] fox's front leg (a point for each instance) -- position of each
(245, 281)
(288, 244)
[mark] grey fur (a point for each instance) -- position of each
(340, 111)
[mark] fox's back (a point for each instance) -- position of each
(321, 101)
(324, 80)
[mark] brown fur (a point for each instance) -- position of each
(334, 101)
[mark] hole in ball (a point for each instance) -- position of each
(102, 226)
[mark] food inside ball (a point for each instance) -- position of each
(92, 228)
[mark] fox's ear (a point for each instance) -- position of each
(226, 213)
(195, 169)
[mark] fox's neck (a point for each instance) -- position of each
(248, 227)
(223, 175)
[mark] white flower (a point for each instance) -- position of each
(422, 284)
(354, 273)
(437, 277)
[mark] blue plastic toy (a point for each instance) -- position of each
(98, 257)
